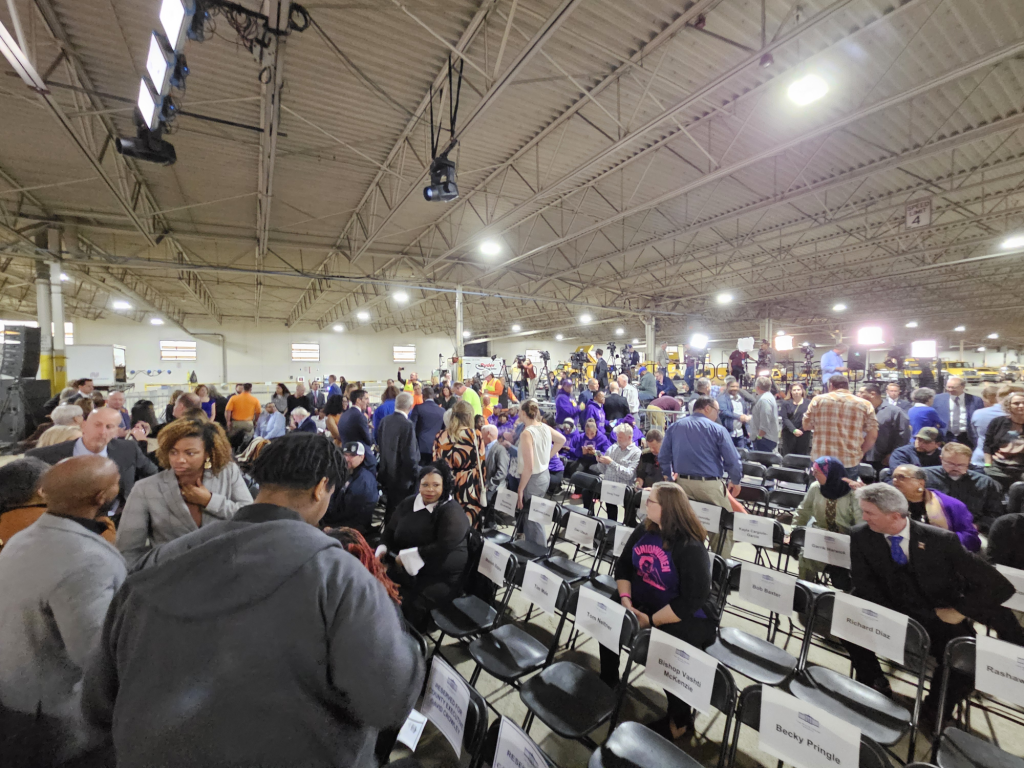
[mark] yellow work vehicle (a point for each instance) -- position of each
(987, 373)
(961, 369)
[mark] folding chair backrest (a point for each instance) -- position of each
(744, 453)
(562, 515)
(788, 500)
(867, 473)
(960, 656)
(755, 495)
(884, 475)
(1015, 500)
(797, 461)
(587, 481)
(476, 726)
(767, 458)
(714, 606)
(630, 626)
(753, 469)
(794, 479)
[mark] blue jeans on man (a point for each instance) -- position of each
(763, 444)
(740, 442)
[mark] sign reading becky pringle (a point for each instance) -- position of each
(805, 735)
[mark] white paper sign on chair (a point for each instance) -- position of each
(641, 513)
(681, 669)
(613, 493)
(493, 561)
(767, 588)
(805, 735)
(600, 618)
(506, 501)
(515, 749)
(447, 702)
(412, 730)
(999, 669)
(754, 529)
(710, 515)
(870, 626)
(540, 587)
(622, 534)
(1016, 577)
(826, 547)
(581, 529)
(541, 510)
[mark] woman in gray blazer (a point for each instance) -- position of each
(200, 484)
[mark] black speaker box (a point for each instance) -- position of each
(21, 407)
(20, 352)
(856, 359)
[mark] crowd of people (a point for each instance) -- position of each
(246, 546)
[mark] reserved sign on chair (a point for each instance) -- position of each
(681, 669)
(870, 626)
(805, 735)
(826, 547)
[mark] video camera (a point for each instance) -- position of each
(520, 359)
(611, 349)
(808, 348)
(895, 358)
(579, 360)
(545, 356)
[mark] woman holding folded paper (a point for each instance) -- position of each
(426, 536)
(664, 578)
(831, 505)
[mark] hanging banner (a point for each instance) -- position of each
(515, 749)
(506, 501)
(681, 669)
(767, 588)
(447, 702)
(481, 366)
(540, 587)
(754, 529)
(601, 618)
(870, 626)
(613, 493)
(541, 510)
(1016, 577)
(581, 530)
(622, 534)
(493, 562)
(999, 669)
(805, 735)
(826, 547)
(710, 515)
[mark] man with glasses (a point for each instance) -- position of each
(698, 453)
(980, 493)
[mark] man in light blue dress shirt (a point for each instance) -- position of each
(832, 363)
(271, 423)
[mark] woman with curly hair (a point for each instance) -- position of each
(200, 484)
(353, 541)
(460, 446)
(425, 544)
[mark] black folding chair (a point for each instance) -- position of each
(472, 738)
(797, 461)
(752, 471)
(761, 660)
(867, 474)
(749, 714)
(877, 716)
(572, 700)
(744, 453)
(723, 697)
(955, 747)
(780, 501)
(886, 474)
(567, 568)
(754, 498)
(767, 458)
(786, 479)
(635, 745)
(1015, 499)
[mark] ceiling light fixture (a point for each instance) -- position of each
(993, 335)
(363, 315)
(839, 308)
(922, 349)
(175, 16)
(400, 296)
(155, 321)
(960, 328)
(723, 298)
(119, 304)
(517, 328)
(780, 333)
(64, 277)
(1016, 241)
(585, 319)
(619, 331)
(490, 247)
(911, 324)
(807, 89)
(159, 65)
(636, 341)
(466, 334)
(339, 328)
(559, 337)
(698, 341)
(981, 349)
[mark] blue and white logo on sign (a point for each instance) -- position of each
(809, 720)
(869, 613)
(682, 654)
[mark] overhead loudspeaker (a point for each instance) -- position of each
(856, 361)
(20, 359)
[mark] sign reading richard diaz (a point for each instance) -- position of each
(870, 626)
(805, 735)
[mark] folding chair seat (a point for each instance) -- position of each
(787, 479)
(957, 748)
(753, 473)
(567, 568)
(784, 501)
(632, 744)
(797, 461)
(572, 700)
(759, 659)
(749, 714)
(767, 458)
(877, 716)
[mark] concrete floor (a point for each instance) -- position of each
(434, 750)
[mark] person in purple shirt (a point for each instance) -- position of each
(934, 508)
(565, 406)
(595, 411)
(583, 448)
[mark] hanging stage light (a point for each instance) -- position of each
(442, 180)
(148, 146)
(175, 18)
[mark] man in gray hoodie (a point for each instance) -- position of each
(255, 641)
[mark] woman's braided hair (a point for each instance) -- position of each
(299, 460)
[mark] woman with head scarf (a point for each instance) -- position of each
(565, 406)
(425, 545)
(830, 503)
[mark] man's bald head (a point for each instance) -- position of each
(82, 486)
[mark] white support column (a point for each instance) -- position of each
(60, 370)
(649, 338)
(44, 320)
(459, 346)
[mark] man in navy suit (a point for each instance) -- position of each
(428, 418)
(956, 408)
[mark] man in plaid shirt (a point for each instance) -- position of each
(843, 424)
